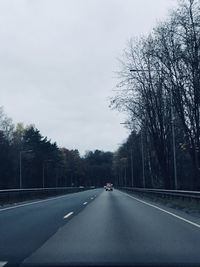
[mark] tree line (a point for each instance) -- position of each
(159, 89)
(30, 160)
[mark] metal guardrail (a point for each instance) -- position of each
(41, 189)
(16, 195)
(163, 192)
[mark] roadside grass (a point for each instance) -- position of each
(188, 205)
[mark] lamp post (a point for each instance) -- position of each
(20, 165)
(131, 153)
(173, 142)
(173, 129)
(142, 151)
(131, 167)
(43, 170)
(123, 162)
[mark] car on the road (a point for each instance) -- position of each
(108, 187)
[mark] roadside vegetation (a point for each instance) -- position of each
(159, 90)
(43, 163)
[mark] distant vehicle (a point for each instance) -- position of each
(108, 187)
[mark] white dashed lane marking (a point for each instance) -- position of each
(85, 203)
(30, 203)
(66, 216)
(2, 263)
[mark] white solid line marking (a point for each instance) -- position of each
(156, 207)
(2, 263)
(85, 203)
(32, 203)
(68, 215)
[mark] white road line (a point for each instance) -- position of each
(2, 263)
(68, 215)
(30, 203)
(85, 203)
(170, 213)
(91, 198)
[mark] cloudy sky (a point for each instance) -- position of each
(57, 64)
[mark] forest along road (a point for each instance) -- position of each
(96, 227)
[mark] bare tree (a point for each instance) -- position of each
(178, 50)
(162, 93)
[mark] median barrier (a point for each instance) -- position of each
(20, 195)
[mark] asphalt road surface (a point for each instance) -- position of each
(96, 227)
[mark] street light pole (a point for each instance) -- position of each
(131, 153)
(143, 169)
(131, 167)
(20, 169)
(20, 166)
(125, 180)
(43, 170)
(173, 143)
(43, 175)
(173, 130)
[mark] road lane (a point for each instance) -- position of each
(116, 229)
(171, 212)
(24, 229)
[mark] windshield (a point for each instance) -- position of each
(100, 133)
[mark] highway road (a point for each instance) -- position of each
(96, 227)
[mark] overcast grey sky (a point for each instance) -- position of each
(57, 63)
